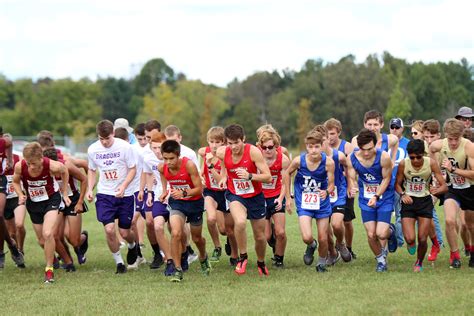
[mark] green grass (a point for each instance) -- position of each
(349, 288)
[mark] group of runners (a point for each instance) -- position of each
(148, 178)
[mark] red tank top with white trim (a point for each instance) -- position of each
(273, 188)
(211, 182)
(181, 180)
(242, 187)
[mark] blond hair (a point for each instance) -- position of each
(216, 133)
(33, 150)
(453, 127)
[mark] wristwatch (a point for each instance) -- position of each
(185, 193)
(250, 176)
(377, 197)
(211, 166)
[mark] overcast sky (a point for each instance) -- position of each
(218, 40)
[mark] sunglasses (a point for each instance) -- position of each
(417, 157)
(267, 147)
(462, 118)
(395, 127)
(414, 133)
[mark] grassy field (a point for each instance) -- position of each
(349, 288)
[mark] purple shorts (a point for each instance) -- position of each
(160, 209)
(109, 208)
(140, 206)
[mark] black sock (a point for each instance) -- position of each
(261, 264)
(156, 248)
(243, 256)
(279, 258)
(190, 250)
(349, 248)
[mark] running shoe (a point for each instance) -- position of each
(241, 266)
(157, 261)
(17, 257)
(433, 253)
(417, 267)
(216, 254)
(70, 267)
(132, 254)
(177, 276)
(192, 256)
(233, 261)
(2, 260)
(80, 257)
(85, 245)
(169, 270)
(277, 263)
(381, 267)
(332, 260)
(411, 249)
(185, 260)
(263, 271)
(205, 266)
(121, 268)
(321, 268)
(454, 263)
(345, 254)
(308, 257)
(49, 276)
(392, 241)
(134, 266)
(228, 249)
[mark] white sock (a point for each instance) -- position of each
(131, 245)
(380, 258)
(117, 257)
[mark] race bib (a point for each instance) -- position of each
(370, 190)
(110, 175)
(333, 195)
(310, 200)
(213, 181)
(459, 182)
(243, 186)
(10, 189)
(271, 185)
(181, 187)
(415, 188)
(38, 194)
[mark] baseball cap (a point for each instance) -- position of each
(465, 111)
(396, 121)
(121, 122)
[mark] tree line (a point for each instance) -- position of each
(291, 100)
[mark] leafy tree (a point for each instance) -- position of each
(154, 72)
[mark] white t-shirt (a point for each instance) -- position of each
(138, 152)
(113, 164)
(190, 154)
(150, 165)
